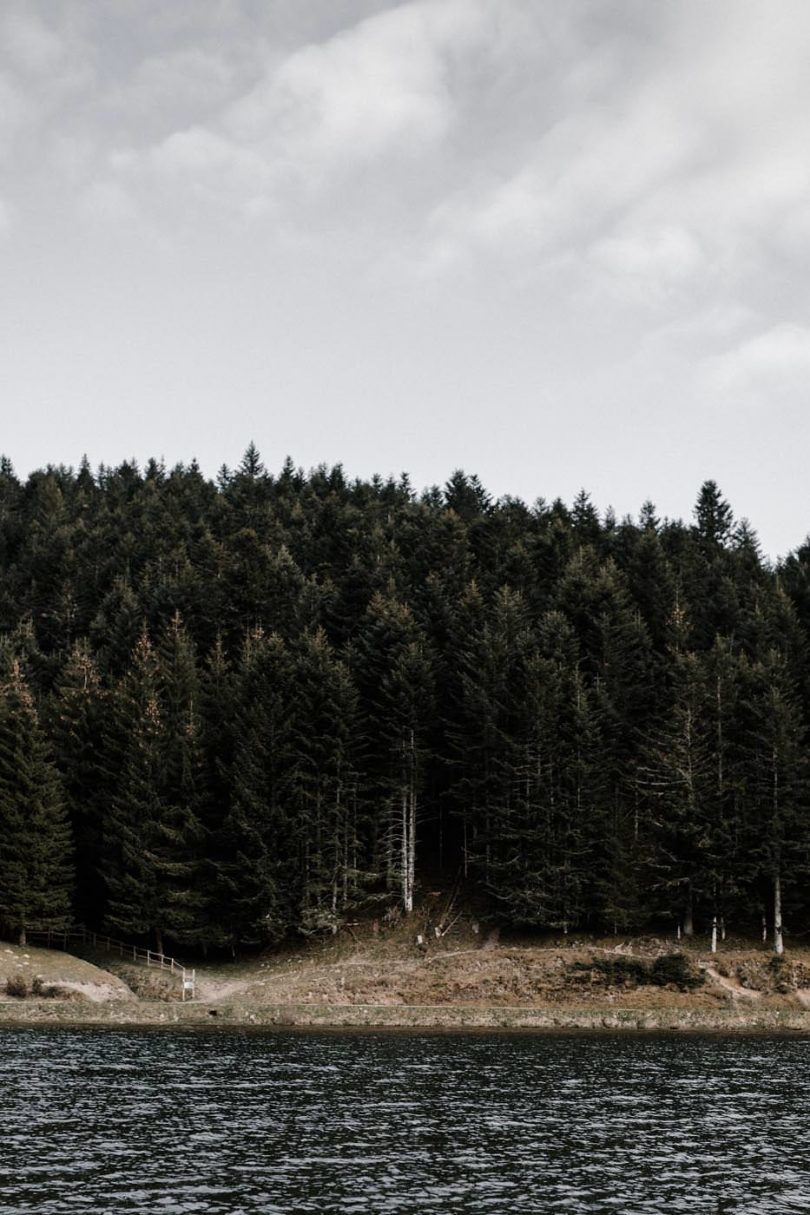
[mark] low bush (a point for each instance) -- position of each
(616, 971)
(673, 969)
(676, 969)
(45, 991)
(17, 986)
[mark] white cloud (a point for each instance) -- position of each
(199, 164)
(371, 99)
(695, 128)
(770, 369)
(648, 265)
(382, 85)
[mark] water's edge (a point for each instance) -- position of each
(50, 1013)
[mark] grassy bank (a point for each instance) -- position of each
(397, 976)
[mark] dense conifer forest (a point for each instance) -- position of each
(238, 710)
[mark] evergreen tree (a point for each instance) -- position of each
(178, 845)
(36, 873)
(255, 846)
(395, 674)
(324, 785)
(778, 785)
(132, 823)
(75, 721)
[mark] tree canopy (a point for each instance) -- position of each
(238, 709)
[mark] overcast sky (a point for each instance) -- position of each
(559, 244)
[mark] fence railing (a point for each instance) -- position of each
(63, 940)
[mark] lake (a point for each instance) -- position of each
(169, 1122)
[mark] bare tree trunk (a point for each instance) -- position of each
(464, 849)
(778, 943)
(714, 935)
(411, 848)
(688, 921)
(404, 846)
(23, 937)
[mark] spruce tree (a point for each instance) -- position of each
(395, 674)
(133, 750)
(75, 720)
(36, 873)
(324, 785)
(178, 843)
(256, 845)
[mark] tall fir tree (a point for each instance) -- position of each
(36, 871)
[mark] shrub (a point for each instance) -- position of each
(616, 971)
(45, 991)
(670, 968)
(17, 986)
(675, 968)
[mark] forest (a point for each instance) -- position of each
(237, 710)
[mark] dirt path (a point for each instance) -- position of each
(210, 989)
(732, 986)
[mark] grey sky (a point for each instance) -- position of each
(556, 244)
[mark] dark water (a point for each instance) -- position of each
(94, 1121)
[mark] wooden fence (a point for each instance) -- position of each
(53, 939)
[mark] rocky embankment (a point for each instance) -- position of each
(393, 978)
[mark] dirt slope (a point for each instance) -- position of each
(52, 974)
(405, 964)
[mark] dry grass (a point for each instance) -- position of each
(71, 976)
(384, 964)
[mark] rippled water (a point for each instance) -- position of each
(105, 1121)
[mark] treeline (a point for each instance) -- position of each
(235, 710)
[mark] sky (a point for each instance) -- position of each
(559, 245)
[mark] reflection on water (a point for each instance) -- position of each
(105, 1121)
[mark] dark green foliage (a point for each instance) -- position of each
(670, 969)
(676, 969)
(274, 698)
(618, 971)
(36, 863)
(75, 717)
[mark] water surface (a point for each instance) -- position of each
(104, 1121)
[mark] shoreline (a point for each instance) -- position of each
(454, 1017)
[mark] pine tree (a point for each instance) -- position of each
(75, 724)
(36, 873)
(324, 785)
(396, 679)
(256, 844)
(133, 750)
(713, 515)
(177, 850)
(677, 786)
(778, 785)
